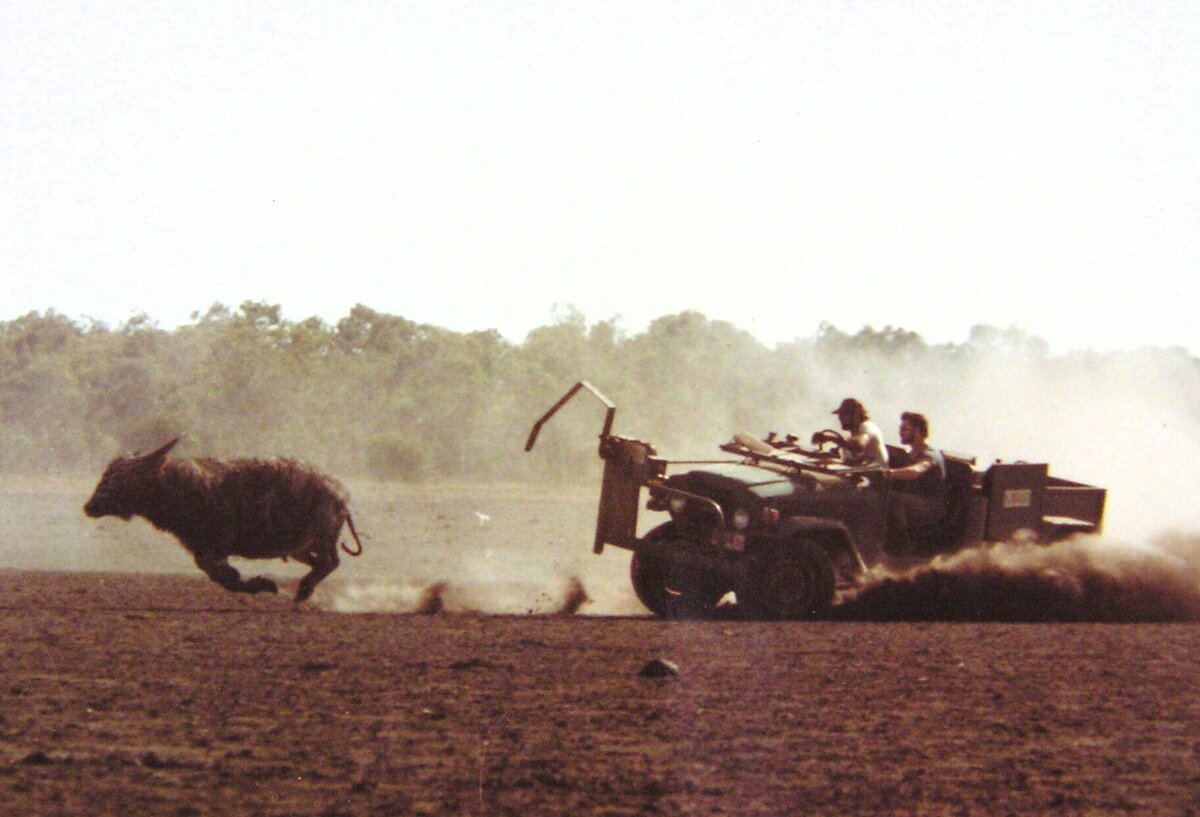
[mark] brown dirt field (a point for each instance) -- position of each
(133, 692)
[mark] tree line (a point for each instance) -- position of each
(381, 395)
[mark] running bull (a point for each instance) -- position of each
(253, 508)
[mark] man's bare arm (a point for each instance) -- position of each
(911, 472)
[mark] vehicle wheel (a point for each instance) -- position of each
(794, 580)
(670, 590)
(649, 582)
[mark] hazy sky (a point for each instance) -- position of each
(931, 165)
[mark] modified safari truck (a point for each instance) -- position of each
(783, 527)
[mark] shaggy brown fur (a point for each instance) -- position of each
(253, 508)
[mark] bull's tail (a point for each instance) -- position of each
(354, 533)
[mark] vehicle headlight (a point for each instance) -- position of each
(741, 519)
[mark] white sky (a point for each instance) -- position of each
(930, 165)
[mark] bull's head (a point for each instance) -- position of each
(124, 484)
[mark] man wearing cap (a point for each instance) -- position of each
(864, 444)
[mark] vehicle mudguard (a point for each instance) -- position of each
(831, 533)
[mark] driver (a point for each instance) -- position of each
(864, 444)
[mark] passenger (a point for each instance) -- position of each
(917, 501)
(864, 445)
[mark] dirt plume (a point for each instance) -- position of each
(1083, 579)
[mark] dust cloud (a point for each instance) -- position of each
(1083, 579)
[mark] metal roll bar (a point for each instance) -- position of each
(582, 384)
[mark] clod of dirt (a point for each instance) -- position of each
(659, 668)
(576, 597)
(38, 758)
(431, 600)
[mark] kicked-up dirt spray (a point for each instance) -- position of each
(1082, 579)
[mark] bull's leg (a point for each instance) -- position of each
(324, 560)
(220, 571)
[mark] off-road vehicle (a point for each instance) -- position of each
(783, 529)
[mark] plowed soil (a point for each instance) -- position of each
(130, 685)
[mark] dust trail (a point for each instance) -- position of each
(1083, 579)
(493, 598)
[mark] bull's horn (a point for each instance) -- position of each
(162, 452)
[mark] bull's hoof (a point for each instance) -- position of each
(261, 584)
(303, 592)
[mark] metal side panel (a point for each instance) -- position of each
(627, 465)
(1015, 494)
(620, 497)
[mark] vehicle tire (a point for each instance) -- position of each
(793, 580)
(668, 590)
(649, 579)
